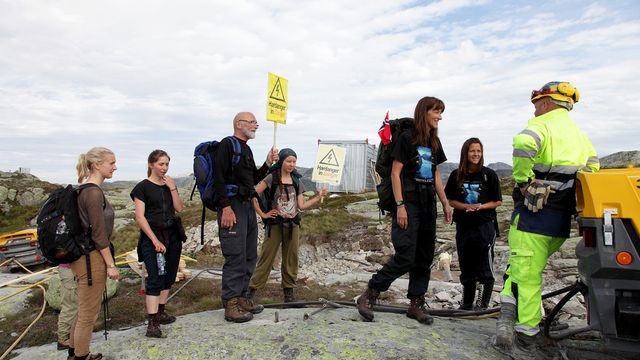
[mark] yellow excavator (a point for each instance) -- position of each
(609, 254)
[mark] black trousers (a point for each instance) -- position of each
(475, 252)
(240, 249)
(414, 248)
(147, 252)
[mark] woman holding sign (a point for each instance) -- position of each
(415, 179)
(280, 214)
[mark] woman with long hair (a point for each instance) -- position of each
(416, 181)
(96, 217)
(474, 193)
(282, 223)
(156, 201)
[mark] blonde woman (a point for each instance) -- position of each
(91, 271)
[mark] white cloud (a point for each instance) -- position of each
(160, 74)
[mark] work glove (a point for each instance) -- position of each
(536, 196)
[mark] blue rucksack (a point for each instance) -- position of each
(204, 166)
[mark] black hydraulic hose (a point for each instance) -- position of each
(578, 287)
(212, 271)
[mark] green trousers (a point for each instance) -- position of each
(528, 255)
(68, 303)
(278, 236)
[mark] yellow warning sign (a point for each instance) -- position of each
(277, 99)
(329, 164)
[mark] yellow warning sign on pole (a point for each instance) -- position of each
(329, 164)
(277, 97)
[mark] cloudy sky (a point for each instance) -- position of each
(138, 75)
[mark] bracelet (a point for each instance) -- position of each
(174, 189)
(111, 266)
(399, 203)
(399, 206)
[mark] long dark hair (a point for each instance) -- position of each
(153, 157)
(423, 131)
(464, 165)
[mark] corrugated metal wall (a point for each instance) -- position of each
(360, 160)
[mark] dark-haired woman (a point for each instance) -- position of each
(416, 181)
(156, 203)
(473, 191)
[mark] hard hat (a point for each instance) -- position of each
(557, 90)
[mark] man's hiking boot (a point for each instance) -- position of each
(233, 311)
(504, 326)
(163, 317)
(250, 306)
(153, 327)
(365, 303)
(418, 311)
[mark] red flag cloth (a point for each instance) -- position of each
(385, 131)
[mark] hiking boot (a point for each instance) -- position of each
(233, 311)
(250, 294)
(418, 311)
(504, 326)
(153, 327)
(525, 346)
(97, 356)
(248, 305)
(290, 297)
(365, 303)
(163, 317)
(484, 296)
(468, 294)
(63, 346)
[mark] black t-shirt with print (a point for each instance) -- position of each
(419, 162)
(158, 203)
(478, 188)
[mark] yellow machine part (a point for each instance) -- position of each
(610, 189)
(28, 233)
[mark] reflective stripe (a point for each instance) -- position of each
(586, 169)
(527, 154)
(593, 160)
(558, 169)
(508, 299)
(535, 137)
(527, 329)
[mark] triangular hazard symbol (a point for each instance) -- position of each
(330, 159)
(277, 93)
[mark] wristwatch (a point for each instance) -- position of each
(399, 203)
(111, 266)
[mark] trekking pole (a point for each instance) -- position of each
(105, 306)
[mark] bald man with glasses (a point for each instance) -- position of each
(237, 223)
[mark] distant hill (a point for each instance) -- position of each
(621, 159)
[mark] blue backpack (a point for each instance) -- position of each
(204, 166)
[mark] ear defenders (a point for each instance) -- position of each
(567, 89)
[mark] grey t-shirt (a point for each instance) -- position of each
(284, 198)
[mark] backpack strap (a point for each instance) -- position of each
(231, 188)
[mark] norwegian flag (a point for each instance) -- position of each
(385, 131)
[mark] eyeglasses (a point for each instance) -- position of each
(250, 122)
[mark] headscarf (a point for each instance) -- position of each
(282, 155)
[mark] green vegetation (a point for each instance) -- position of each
(17, 218)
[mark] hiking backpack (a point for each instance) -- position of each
(204, 166)
(61, 237)
(384, 163)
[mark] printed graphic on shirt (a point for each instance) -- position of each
(286, 202)
(425, 169)
(472, 192)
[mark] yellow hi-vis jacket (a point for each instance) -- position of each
(552, 149)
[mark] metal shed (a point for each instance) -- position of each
(359, 168)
